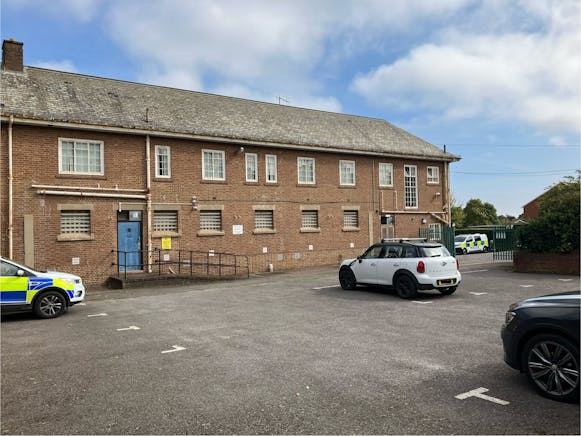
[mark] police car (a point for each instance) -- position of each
(47, 294)
(408, 265)
(475, 243)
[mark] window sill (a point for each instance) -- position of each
(70, 237)
(211, 233)
(263, 232)
(163, 179)
(165, 234)
(218, 182)
(347, 186)
(351, 229)
(306, 185)
(81, 176)
(310, 230)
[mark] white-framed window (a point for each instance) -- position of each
(213, 165)
(351, 218)
(347, 172)
(271, 169)
(385, 174)
(306, 170)
(211, 220)
(75, 222)
(251, 167)
(264, 219)
(165, 221)
(435, 232)
(433, 175)
(162, 161)
(310, 219)
(411, 186)
(79, 156)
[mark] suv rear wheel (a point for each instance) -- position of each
(406, 286)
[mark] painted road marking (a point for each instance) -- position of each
(175, 348)
(526, 286)
(565, 280)
(479, 293)
(422, 302)
(131, 327)
(81, 304)
(476, 270)
(325, 287)
(479, 393)
(97, 314)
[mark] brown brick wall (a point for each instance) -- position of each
(552, 263)
(36, 162)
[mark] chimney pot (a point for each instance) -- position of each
(12, 55)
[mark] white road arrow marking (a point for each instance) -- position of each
(479, 293)
(97, 314)
(131, 327)
(526, 286)
(477, 270)
(175, 348)
(479, 393)
(422, 302)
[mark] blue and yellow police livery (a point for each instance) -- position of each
(48, 294)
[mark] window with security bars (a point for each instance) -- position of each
(165, 221)
(411, 186)
(211, 220)
(263, 219)
(75, 221)
(350, 218)
(310, 219)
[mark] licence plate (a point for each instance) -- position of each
(446, 282)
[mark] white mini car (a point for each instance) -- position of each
(406, 265)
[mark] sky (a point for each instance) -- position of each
(496, 81)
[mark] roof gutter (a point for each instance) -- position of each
(163, 134)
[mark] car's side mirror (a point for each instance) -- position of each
(359, 259)
(20, 273)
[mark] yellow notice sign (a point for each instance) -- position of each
(166, 243)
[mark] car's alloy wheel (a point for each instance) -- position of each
(50, 305)
(347, 279)
(406, 287)
(552, 364)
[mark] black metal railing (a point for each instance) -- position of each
(182, 263)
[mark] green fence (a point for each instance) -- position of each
(503, 242)
(444, 236)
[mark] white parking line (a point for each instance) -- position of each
(565, 280)
(479, 293)
(325, 287)
(479, 393)
(175, 348)
(97, 314)
(131, 327)
(475, 271)
(80, 304)
(526, 286)
(422, 302)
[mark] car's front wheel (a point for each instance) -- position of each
(347, 279)
(50, 304)
(406, 286)
(551, 363)
(448, 291)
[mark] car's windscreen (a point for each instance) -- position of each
(435, 252)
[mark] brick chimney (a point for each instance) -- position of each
(12, 55)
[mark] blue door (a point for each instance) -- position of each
(129, 245)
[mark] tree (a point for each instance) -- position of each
(477, 213)
(457, 213)
(556, 229)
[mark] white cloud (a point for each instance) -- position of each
(531, 77)
(66, 65)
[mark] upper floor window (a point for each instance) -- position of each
(78, 156)
(251, 167)
(162, 161)
(271, 170)
(385, 174)
(411, 185)
(213, 165)
(433, 175)
(306, 170)
(347, 172)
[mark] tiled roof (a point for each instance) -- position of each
(73, 98)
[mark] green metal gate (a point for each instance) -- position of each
(444, 236)
(503, 242)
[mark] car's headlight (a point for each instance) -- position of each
(509, 316)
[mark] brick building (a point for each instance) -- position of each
(92, 165)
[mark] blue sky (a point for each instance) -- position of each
(497, 81)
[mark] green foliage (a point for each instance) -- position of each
(478, 213)
(556, 230)
(458, 216)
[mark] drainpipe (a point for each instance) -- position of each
(149, 208)
(10, 193)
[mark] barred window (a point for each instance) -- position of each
(433, 175)
(347, 172)
(211, 220)
(75, 221)
(80, 156)
(165, 221)
(310, 219)
(162, 161)
(385, 174)
(264, 219)
(411, 186)
(350, 218)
